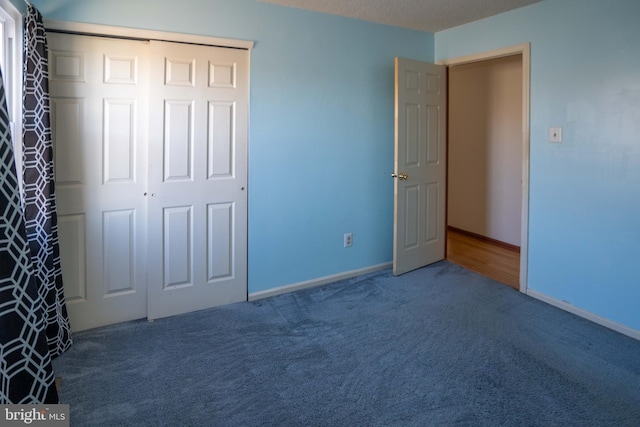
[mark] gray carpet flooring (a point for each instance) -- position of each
(435, 347)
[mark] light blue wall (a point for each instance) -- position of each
(321, 131)
(584, 230)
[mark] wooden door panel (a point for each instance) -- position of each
(198, 178)
(99, 97)
(420, 165)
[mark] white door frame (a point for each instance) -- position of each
(134, 33)
(525, 51)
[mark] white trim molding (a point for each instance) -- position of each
(492, 54)
(563, 305)
(140, 34)
(317, 282)
(12, 46)
(524, 50)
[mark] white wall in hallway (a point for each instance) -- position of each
(485, 148)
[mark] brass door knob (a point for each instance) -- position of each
(402, 176)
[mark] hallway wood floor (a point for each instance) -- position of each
(484, 257)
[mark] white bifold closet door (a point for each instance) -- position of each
(99, 124)
(197, 178)
(150, 144)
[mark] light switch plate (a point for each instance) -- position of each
(555, 135)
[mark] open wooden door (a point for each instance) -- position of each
(420, 165)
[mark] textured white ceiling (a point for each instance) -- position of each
(425, 15)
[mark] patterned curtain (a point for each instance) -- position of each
(26, 373)
(39, 195)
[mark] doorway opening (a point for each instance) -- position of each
(488, 163)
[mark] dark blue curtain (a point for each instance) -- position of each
(26, 374)
(39, 191)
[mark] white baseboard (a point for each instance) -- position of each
(625, 330)
(317, 282)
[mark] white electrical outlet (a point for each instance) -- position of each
(348, 240)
